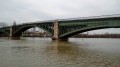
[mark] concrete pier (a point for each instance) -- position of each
(56, 30)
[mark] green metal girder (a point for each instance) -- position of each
(87, 25)
(67, 27)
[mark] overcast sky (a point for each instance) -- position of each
(37, 10)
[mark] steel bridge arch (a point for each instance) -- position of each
(4, 32)
(19, 31)
(77, 31)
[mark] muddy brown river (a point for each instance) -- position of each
(43, 52)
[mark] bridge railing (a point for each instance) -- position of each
(91, 17)
(69, 19)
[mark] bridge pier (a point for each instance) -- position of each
(12, 31)
(56, 32)
(66, 39)
(15, 38)
(59, 39)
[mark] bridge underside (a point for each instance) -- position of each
(84, 30)
(70, 28)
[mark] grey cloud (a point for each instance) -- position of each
(36, 10)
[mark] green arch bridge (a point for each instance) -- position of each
(64, 28)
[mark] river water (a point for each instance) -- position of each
(43, 52)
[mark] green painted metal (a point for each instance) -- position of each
(68, 27)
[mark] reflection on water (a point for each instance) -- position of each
(41, 52)
(64, 47)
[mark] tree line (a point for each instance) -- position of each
(97, 35)
(3, 24)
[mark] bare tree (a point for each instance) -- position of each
(3, 24)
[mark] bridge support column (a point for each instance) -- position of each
(56, 31)
(12, 31)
